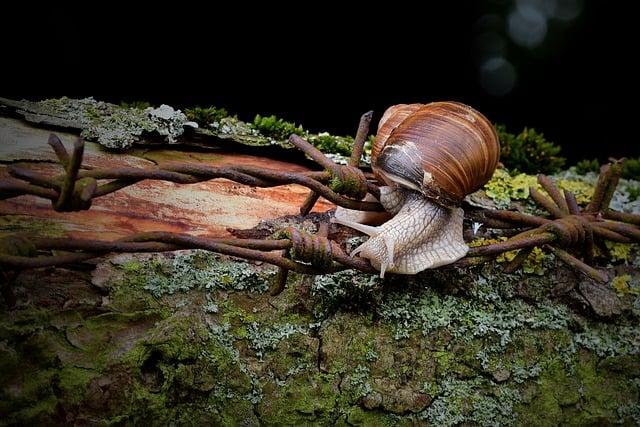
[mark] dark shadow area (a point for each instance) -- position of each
(559, 66)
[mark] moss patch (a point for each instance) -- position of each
(195, 337)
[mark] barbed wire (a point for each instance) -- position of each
(569, 232)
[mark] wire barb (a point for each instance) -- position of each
(570, 232)
(571, 229)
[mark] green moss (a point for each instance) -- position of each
(332, 144)
(181, 358)
(276, 128)
(30, 399)
(529, 152)
(45, 227)
(631, 168)
(543, 410)
(303, 400)
(233, 314)
(73, 382)
(602, 395)
(133, 267)
(101, 339)
(9, 360)
(41, 412)
(22, 322)
(205, 116)
(362, 417)
(584, 166)
(139, 105)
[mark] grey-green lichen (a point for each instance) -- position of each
(207, 343)
(121, 126)
(186, 270)
(487, 403)
(264, 339)
(193, 336)
(111, 125)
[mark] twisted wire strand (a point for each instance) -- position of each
(568, 229)
(75, 189)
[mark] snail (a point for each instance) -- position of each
(429, 157)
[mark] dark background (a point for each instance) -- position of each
(560, 66)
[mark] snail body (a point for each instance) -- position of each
(429, 156)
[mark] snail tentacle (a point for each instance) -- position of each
(366, 229)
(421, 235)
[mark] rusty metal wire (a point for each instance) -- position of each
(75, 188)
(301, 252)
(570, 229)
(569, 232)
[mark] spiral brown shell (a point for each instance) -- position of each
(445, 150)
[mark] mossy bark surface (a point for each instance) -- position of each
(192, 338)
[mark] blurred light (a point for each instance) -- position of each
(489, 44)
(546, 7)
(488, 22)
(497, 76)
(527, 24)
(565, 10)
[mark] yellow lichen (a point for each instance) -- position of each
(582, 190)
(534, 264)
(621, 284)
(502, 188)
(619, 251)
(483, 241)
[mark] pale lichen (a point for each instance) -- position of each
(110, 125)
(461, 401)
(267, 338)
(610, 340)
(186, 270)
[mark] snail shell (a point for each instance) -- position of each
(430, 156)
(444, 150)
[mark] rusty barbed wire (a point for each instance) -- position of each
(75, 188)
(570, 229)
(570, 232)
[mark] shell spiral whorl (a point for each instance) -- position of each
(430, 156)
(445, 150)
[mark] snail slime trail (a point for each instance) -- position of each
(429, 156)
